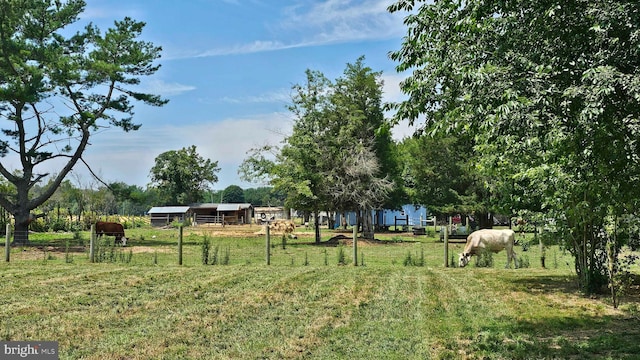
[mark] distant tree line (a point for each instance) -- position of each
(74, 206)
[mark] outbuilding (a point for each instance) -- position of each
(165, 215)
(227, 214)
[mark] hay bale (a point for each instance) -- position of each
(283, 226)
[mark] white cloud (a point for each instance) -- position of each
(323, 23)
(391, 89)
(129, 157)
(157, 86)
(278, 96)
(340, 21)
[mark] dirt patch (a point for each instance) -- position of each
(348, 241)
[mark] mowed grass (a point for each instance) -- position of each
(301, 308)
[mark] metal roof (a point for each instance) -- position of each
(228, 207)
(168, 210)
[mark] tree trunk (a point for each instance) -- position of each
(485, 221)
(21, 231)
(316, 221)
(367, 225)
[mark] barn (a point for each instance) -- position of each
(230, 214)
(202, 213)
(165, 215)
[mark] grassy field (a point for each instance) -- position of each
(140, 304)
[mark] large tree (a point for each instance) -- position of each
(183, 176)
(550, 93)
(439, 173)
(233, 194)
(340, 141)
(56, 90)
(364, 162)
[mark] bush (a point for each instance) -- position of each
(205, 251)
(523, 262)
(485, 259)
(411, 260)
(341, 256)
(58, 225)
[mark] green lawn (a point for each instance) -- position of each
(152, 308)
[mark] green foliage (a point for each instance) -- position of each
(264, 196)
(439, 173)
(523, 262)
(183, 176)
(205, 250)
(93, 76)
(233, 194)
(484, 259)
(414, 260)
(342, 258)
(340, 155)
(215, 258)
(550, 126)
(226, 256)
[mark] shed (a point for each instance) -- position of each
(210, 213)
(164, 215)
(270, 212)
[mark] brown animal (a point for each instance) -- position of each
(111, 229)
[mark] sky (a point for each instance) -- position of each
(227, 69)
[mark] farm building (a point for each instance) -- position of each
(232, 214)
(408, 216)
(206, 213)
(165, 215)
(270, 213)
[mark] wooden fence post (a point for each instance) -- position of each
(268, 244)
(355, 246)
(446, 247)
(7, 244)
(180, 245)
(92, 244)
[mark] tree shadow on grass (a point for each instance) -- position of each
(558, 337)
(603, 334)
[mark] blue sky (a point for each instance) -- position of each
(228, 67)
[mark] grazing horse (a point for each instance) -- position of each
(111, 229)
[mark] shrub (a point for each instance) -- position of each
(341, 256)
(68, 258)
(411, 260)
(523, 262)
(485, 259)
(205, 250)
(227, 256)
(58, 225)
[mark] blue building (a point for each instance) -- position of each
(408, 216)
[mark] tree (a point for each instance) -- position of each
(183, 176)
(360, 140)
(439, 172)
(358, 186)
(337, 128)
(549, 91)
(55, 91)
(233, 194)
(263, 196)
(303, 159)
